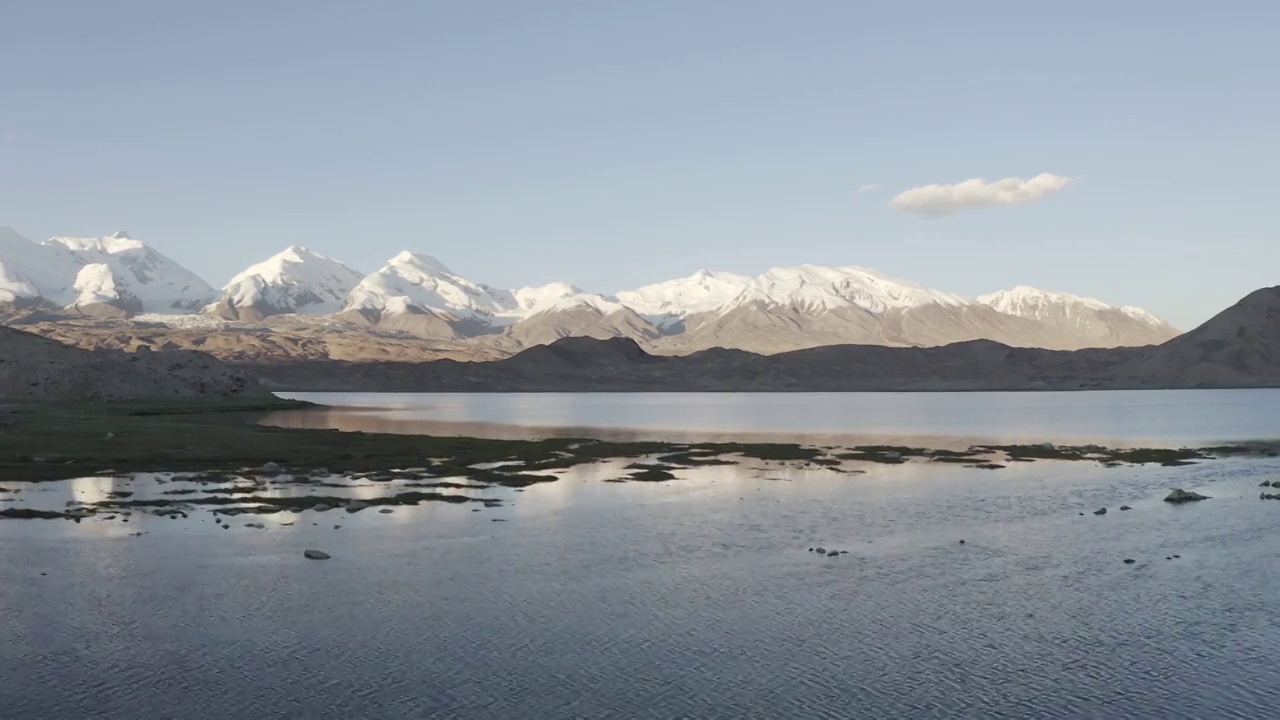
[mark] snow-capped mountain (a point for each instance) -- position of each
(704, 291)
(807, 288)
(132, 277)
(806, 306)
(295, 280)
(781, 309)
(1091, 322)
(33, 274)
(418, 294)
(421, 282)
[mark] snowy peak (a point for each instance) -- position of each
(420, 263)
(295, 280)
(1029, 302)
(1088, 319)
(704, 291)
(809, 288)
(412, 281)
(533, 299)
(157, 283)
(1026, 301)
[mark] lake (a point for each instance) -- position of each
(1153, 417)
(697, 597)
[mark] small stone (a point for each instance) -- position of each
(820, 550)
(337, 527)
(833, 553)
(1178, 495)
(1102, 511)
(810, 549)
(386, 511)
(1129, 561)
(257, 526)
(321, 507)
(110, 435)
(270, 468)
(961, 542)
(1265, 483)
(356, 506)
(1175, 557)
(1125, 507)
(315, 555)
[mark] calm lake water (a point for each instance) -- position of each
(1148, 416)
(695, 598)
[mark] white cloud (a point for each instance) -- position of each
(870, 187)
(938, 200)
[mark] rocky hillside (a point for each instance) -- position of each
(36, 368)
(1238, 347)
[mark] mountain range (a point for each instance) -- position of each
(415, 295)
(1238, 348)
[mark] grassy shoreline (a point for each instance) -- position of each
(55, 441)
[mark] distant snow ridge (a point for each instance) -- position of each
(807, 287)
(141, 279)
(295, 280)
(418, 294)
(1085, 318)
(781, 309)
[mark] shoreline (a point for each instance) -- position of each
(228, 464)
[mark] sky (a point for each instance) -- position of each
(1120, 150)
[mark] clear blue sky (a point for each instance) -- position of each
(614, 143)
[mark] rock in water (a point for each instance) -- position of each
(270, 468)
(315, 555)
(1181, 496)
(1103, 511)
(1129, 561)
(356, 506)
(1125, 507)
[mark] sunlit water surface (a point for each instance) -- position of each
(691, 598)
